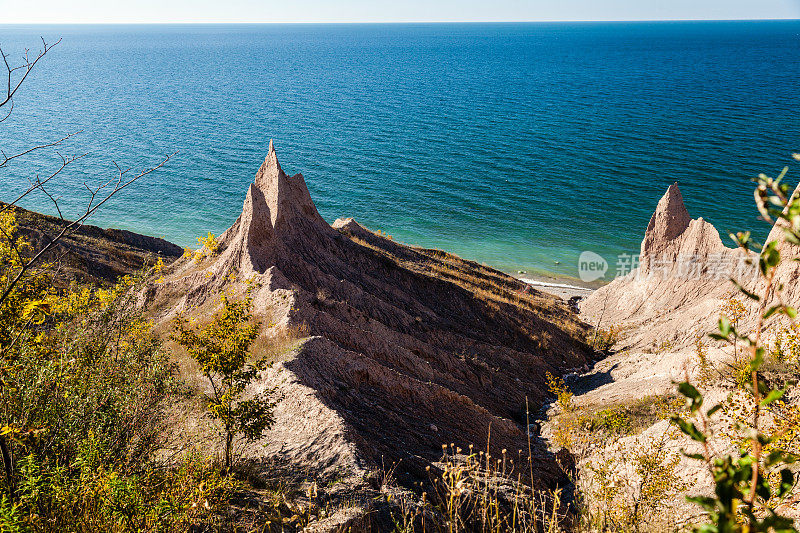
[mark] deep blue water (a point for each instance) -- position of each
(518, 145)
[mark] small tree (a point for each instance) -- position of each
(222, 348)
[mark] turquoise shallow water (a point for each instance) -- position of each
(518, 145)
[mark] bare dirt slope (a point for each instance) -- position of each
(662, 309)
(676, 296)
(405, 348)
(91, 254)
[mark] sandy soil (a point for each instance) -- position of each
(564, 287)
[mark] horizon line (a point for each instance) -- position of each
(545, 21)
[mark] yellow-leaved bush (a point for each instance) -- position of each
(85, 386)
(222, 349)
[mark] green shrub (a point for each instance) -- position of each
(85, 384)
(89, 495)
(559, 389)
(751, 486)
(613, 419)
(604, 339)
(221, 348)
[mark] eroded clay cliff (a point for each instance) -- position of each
(405, 348)
(683, 279)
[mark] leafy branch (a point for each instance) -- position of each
(743, 491)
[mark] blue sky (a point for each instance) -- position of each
(114, 11)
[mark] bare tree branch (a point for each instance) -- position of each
(40, 183)
(119, 183)
(11, 85)
(97, 195)
(5, 159)
(16, 76)
(8, 114)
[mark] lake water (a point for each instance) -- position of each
(517, 145)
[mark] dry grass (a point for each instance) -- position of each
(500, 292)
(89, 254)
(473, 491)
(604, 339)
(277, 346)
(583, 428)
(626, 481)
(630, 488)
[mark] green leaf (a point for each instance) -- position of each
(791, 236)
(769, 258)
(758, 360)
(703, 501)
(780, 456)
(787, 482)
(763, 489)
(697, 456)
(741, 239)
(772, 396)
(751, 295)
(707, 528)
(791, 312)
(688, 390)
(724, 326)
(689, 429)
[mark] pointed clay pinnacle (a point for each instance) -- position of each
(284, 198)
(669, 220)
(270, 170)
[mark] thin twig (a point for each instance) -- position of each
(27, 66)
(90, 209)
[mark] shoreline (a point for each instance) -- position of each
(564, 287)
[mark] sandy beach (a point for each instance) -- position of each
(562, 286)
